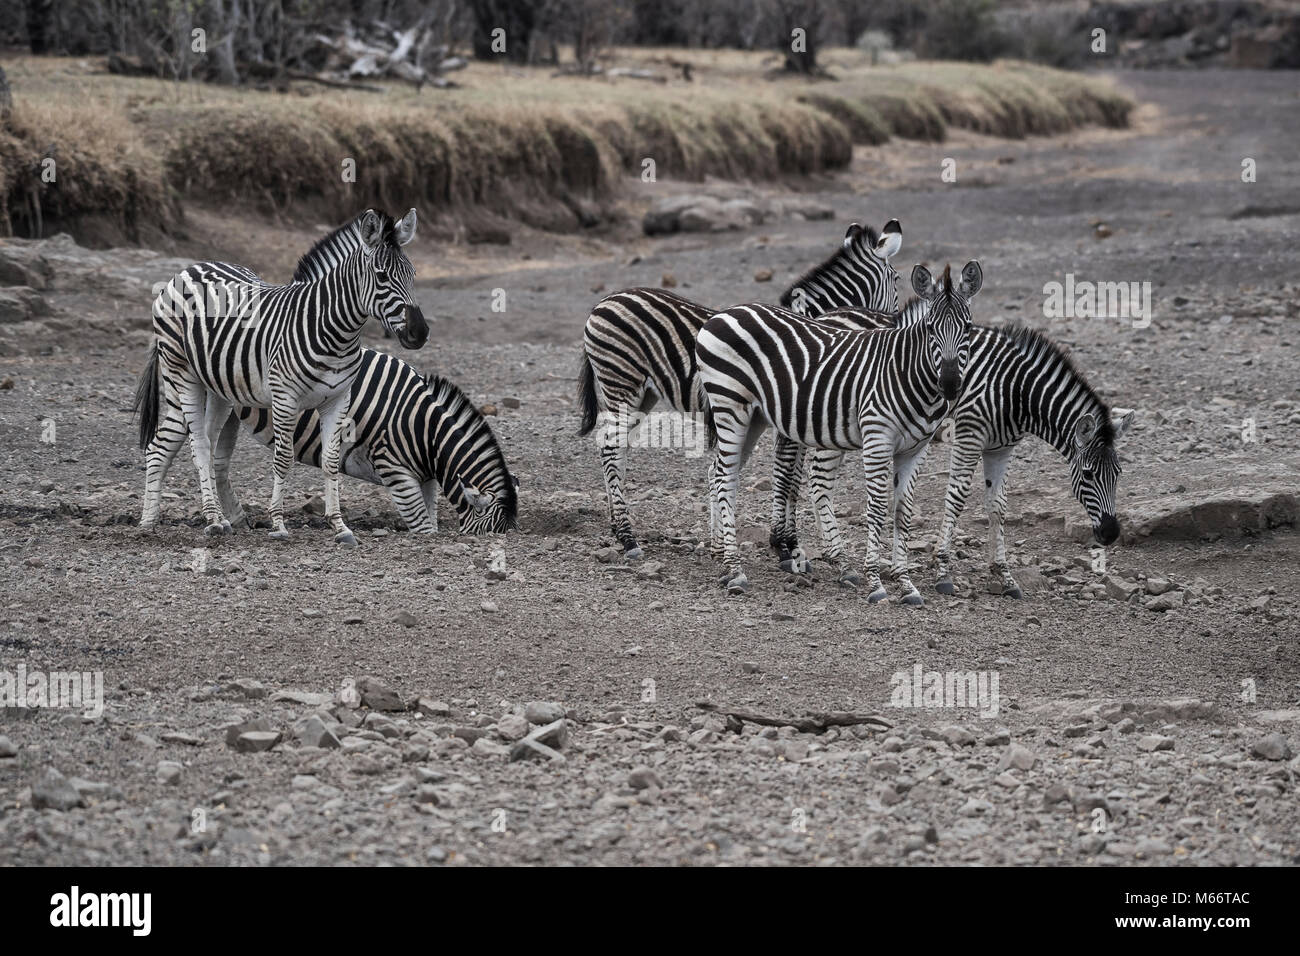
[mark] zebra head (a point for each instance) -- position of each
(489, 512)
(388, 278)
(858, 276)
(1095, 470)
(948, 322)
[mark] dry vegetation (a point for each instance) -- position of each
(519, 142)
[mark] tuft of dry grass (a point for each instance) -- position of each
(522, 144)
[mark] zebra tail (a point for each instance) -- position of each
(587, 396)
(710, 428)
(146, 399)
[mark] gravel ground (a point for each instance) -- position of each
(1145, 715)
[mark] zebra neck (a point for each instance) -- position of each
(1053, 398)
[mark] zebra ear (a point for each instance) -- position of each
(891, 240)
(1121, 419)
(404, 231)
(476, 501)
(922, 281)
(851, 235)
(372, 229)
(1085, 430)
(972, 279)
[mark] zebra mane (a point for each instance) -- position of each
(1034, 345)
(816, 272)
(332, 249)
(453, 401)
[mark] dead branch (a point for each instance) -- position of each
(816, 722)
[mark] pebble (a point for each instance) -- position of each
(1155, 742)
(7, 749)
(406, 619)
(54, 792)
(256, 741)
(643, 778)
(544, 712)
(1018, 758)
(377, 695)
(512, 727)
(169, 772)
(1271, 747)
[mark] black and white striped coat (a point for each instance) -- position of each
(821, 385)
(639, 347)
(223, 337)
(416, 435)
(1018, 383)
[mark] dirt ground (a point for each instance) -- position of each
(1148, 714)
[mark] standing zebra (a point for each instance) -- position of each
(222, 337)
(639, 347)
(1018, 383)
(825, 386)
(415, 435)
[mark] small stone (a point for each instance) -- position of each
(486, 747)
(488, 607)
(976, 808)
(958, 736)
(763, 275)
(257, 741)
(169, 772)
(55, 792)
(1126, 726)
(7, 749)
(510, 402)
(432, 708)
(512, 727)
(436, 854)
(607, 555)
(1271, 747)
(234, 731)
(668, 281)
(1157, 585)
(1166, 602)
(1148, 847)
(314, 732)
(378, 695)
(405, 618)
(189, 740)
(1018, 758)
(489, 410)
(1153, 742)
(643, 777)
(544, 712)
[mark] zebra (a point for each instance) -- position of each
(639, 347)
(1018, 383)
(825, 386)
(223, 337)
(417, 435)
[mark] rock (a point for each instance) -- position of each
(436, 854)
(544, 712)
(1117, 588)
(554, 734)
(235, 731)
(1158, 585)
(314, 732)
(488, 607)
(976, 808)
(1166, 602)
(607, 555)
(512, 727)
(432, 708)
(1154, 742)
(406, 619)
(958, 736)
(7, 749)
(487, 747)
(257, 741)
(302, 697)
(248, 688)
(1192, 517)
(489, 410)
(377, 695)
(1148, 847)
(528, 748)
(763, 275)
(1271, 747)
(21, 304)
(642, 778)
(1018, 758)
(169, 772)
(54, 792)
(668, 281)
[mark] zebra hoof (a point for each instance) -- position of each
(946, 587)
(633, 553)
(217, 528)
(914, 599)
(875, 597)
(346, 539)
(1013, 592)
(279, 535)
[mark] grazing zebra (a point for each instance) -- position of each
(639, 347)
(222, 337)
(415, 435)
(1018, 383)
(825, 386)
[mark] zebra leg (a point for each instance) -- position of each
(715, 526)
(331, 436)
(166, 442)
(612, 449)
(997, 461)
(731, 452)
(284, 416)
(961, 467)
(876, 457)
(195, 400)
(409, 498)
(785, 486)
(905, 469)
(221, 455)
(430, 491)
(823, 467)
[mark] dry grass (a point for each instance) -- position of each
(522, 144)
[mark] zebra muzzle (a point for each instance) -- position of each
(950, 379)
(415, 330)
(1107, 529)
